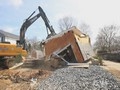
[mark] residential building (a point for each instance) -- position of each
(8, 37)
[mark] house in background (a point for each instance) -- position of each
(72, 45)
(8, 37)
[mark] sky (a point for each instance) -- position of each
(95, 13)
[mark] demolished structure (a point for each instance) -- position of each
(72, 45)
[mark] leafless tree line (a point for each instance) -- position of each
(67, 22)
(108, 39)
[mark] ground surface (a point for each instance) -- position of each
(69, 78)
(112, 67)
(26, 79)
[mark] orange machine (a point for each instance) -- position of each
(9, 53)
(11, 50)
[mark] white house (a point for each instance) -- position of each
(8, 37)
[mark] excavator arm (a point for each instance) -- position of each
(29, 21)
(47, 23)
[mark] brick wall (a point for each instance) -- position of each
(60, 42)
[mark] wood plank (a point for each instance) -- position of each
(80, 65)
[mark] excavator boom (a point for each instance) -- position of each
(30, 20)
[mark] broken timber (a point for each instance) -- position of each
(79, 65)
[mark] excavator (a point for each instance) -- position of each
(8, 51)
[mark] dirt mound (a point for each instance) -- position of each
(21, 79)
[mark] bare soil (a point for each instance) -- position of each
(27, 77)
(22, 79)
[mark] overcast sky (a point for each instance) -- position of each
(95, 13)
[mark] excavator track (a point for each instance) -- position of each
(3, 63)
(6, 63)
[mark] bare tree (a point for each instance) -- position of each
(85, 28)
(100, 43)
(106, 38)
(116, 46)
(66, 23)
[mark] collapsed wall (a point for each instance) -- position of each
(72, 45)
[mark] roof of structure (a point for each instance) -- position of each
(74, 29)
(7, 34)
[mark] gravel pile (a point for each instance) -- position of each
(93, 78)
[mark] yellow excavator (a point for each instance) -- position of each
(8, 51)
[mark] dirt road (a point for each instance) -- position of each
(112, 67)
